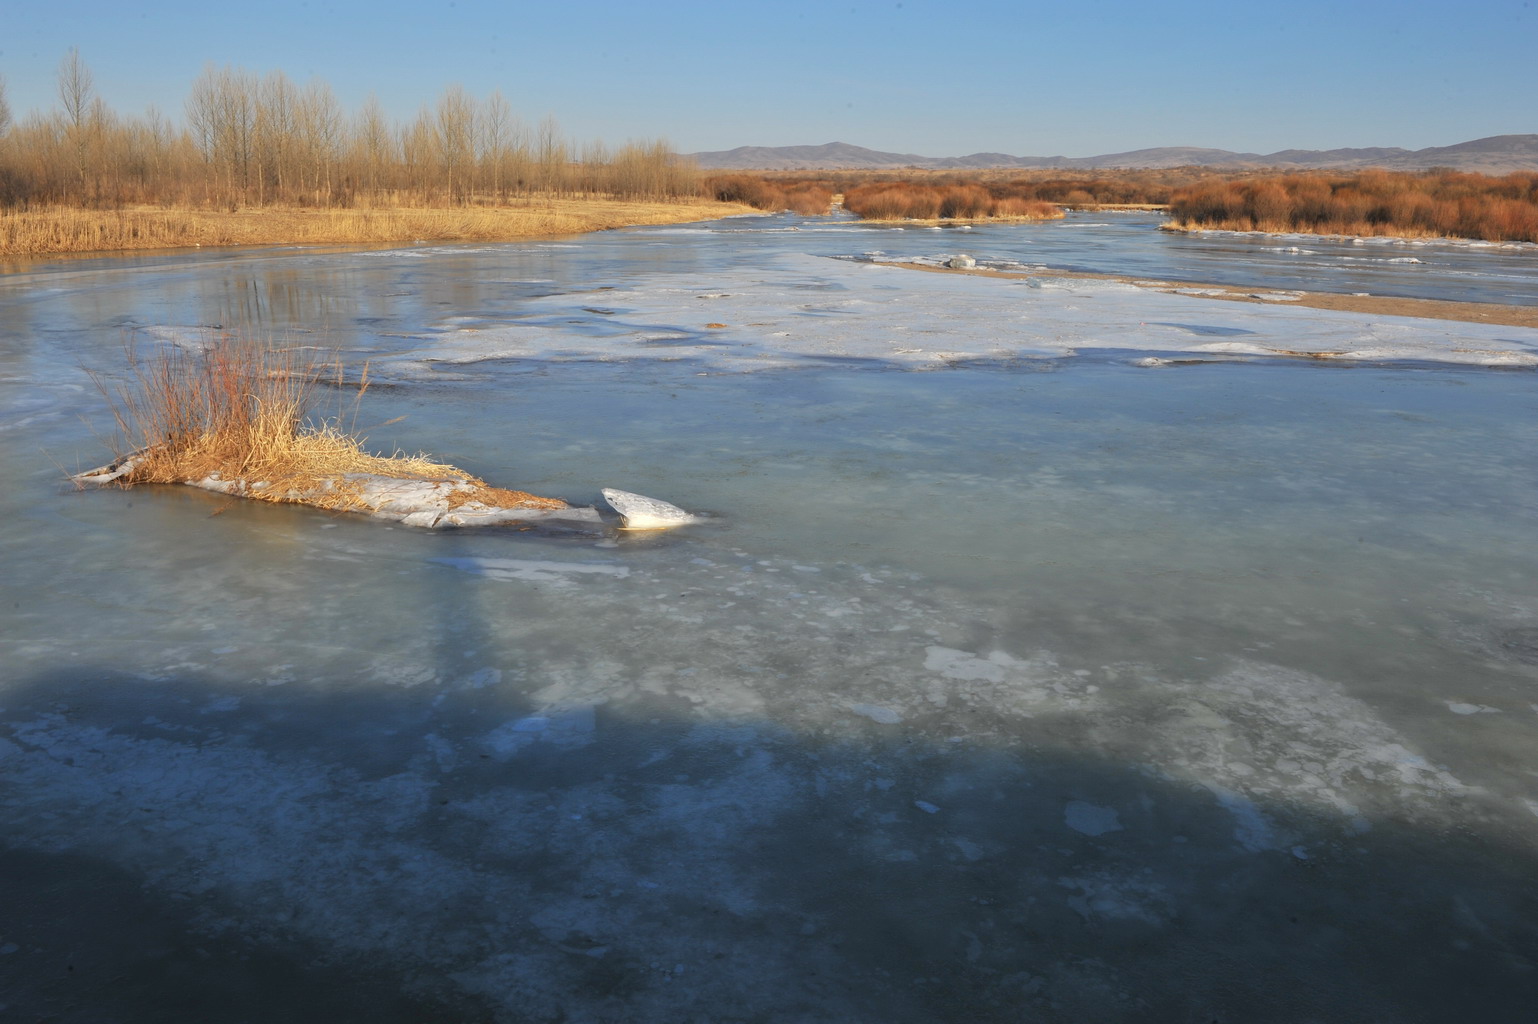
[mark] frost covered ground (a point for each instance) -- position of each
(1047, 684)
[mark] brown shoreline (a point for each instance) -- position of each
(68, 231)
(1381, 305)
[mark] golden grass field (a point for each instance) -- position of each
(68, 230)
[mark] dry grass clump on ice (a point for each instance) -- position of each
(235, 416)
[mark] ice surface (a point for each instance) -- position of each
(1091, 820)
(804, 310)
(876, 713)
(534, 570)
(1029, 688)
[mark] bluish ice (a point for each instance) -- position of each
(1049, 649)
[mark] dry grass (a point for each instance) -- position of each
(808, 198)
(58, 230)
(240, 411)
(500, 497)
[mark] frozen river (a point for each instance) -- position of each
(1056, 650)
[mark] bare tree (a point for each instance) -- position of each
(321, 122)
(419, 149)
(149, 148)
(373, 143)
(5, 110)
(261, 139)
(498, 137)
(275, 131)
(222, 113)
(455, 127)
(550, 152)
(75, 88)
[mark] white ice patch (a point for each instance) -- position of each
(876, 713)
(1252, 829)
(954, 664)
(1001, 681)
(1459, 708)
(1266, 736)
(189, 339)
(799, 310)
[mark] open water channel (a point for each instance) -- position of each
(1052, 652)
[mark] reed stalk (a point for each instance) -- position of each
(243, 410)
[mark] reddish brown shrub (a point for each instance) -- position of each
(1376, 202)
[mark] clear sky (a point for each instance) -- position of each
(1069, 78)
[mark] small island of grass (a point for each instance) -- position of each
(235, 417)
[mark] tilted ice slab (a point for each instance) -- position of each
(805, 310)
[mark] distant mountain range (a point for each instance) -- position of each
(1498, 154)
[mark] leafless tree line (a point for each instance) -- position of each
(255, 140)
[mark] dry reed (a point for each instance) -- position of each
(57, 229)
(240, 411)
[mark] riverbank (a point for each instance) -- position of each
(65, 230)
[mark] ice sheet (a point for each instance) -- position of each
(1035, 687)
(805, 310)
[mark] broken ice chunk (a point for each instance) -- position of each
(876, 713)
(638, 512)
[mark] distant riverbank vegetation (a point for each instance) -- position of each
(933, 195)
(1413, 205)
(1448, 204)
(808, 198)
(258, 157)
(1079, 190)
(896, 200)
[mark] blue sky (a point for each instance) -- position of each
(1071, 78)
